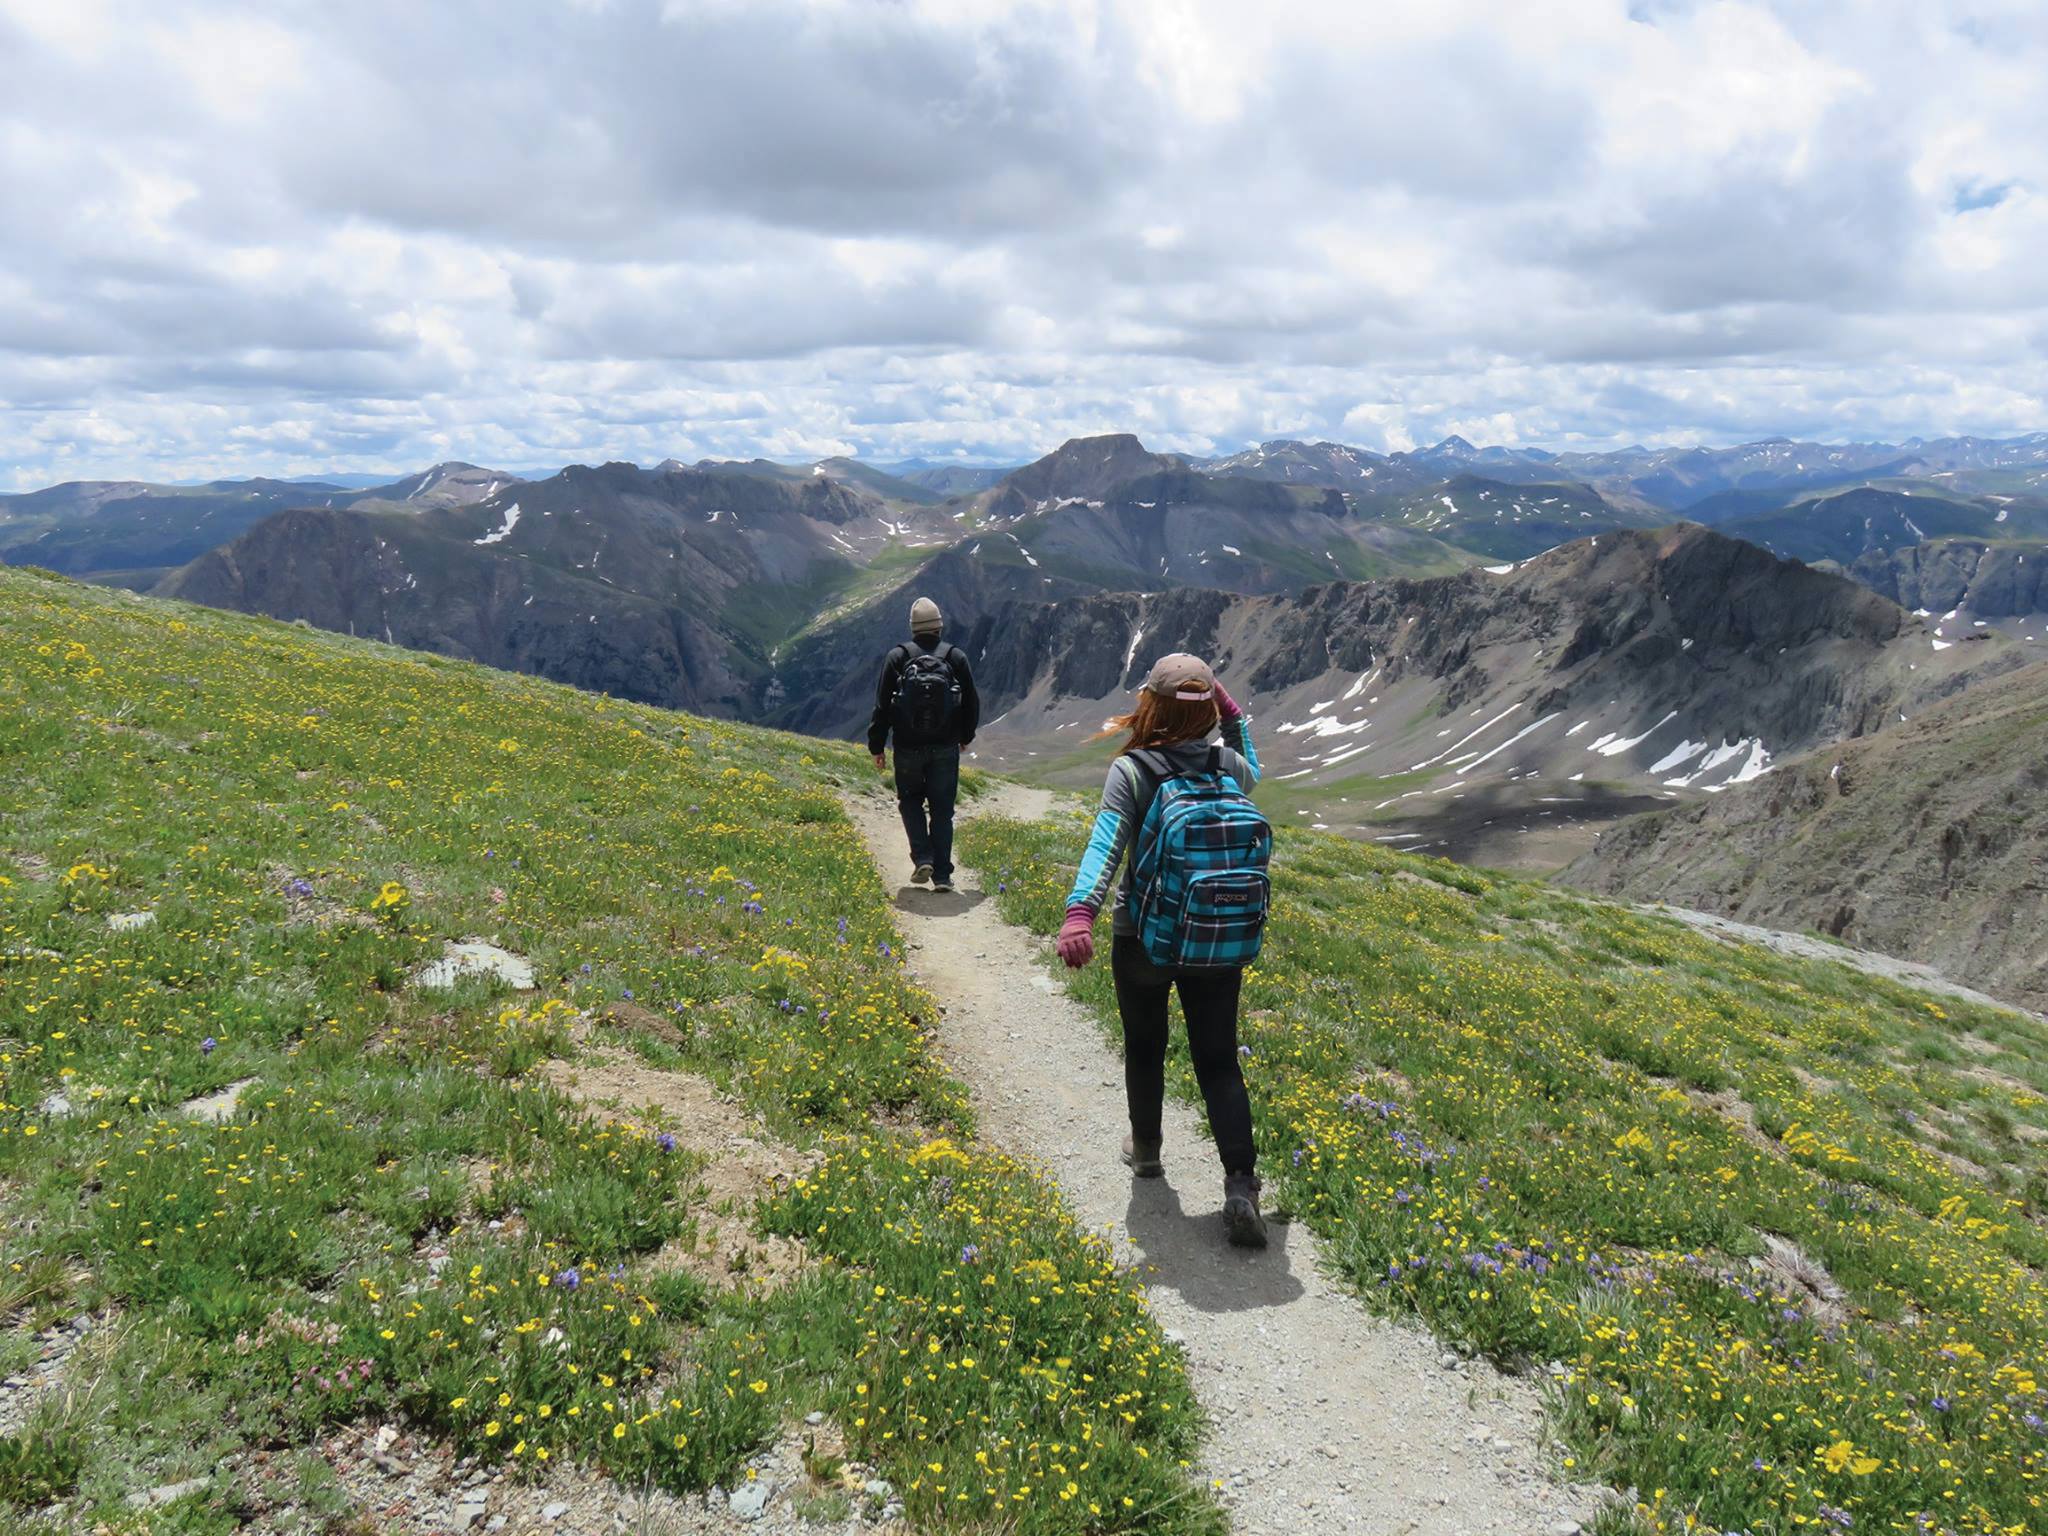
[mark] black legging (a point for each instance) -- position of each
(1208, 1002)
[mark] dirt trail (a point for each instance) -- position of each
(1326, 1419)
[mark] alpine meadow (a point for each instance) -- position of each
(1771, 1231)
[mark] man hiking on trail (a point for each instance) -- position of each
(1190, 911)
(926, 698)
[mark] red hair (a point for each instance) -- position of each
(1157, 722)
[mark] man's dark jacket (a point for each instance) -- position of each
(884, 721)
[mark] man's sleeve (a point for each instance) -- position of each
(970, 701)
(885, 699)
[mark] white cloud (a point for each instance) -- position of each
(236, 237)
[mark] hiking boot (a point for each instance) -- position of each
(1241, 1218)
(919, 875)
(942, 886)
(1142, 1158)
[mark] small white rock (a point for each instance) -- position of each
(216, 1107)
(165, 1493)
(749, 1500)
(474, 957)
(553, 1512)
(122, 922)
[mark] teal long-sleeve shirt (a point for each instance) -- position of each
(1126, 794)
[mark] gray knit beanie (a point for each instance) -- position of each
(925, 618)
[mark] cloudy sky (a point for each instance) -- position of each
(301, 234)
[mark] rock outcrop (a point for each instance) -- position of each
(1987, 580)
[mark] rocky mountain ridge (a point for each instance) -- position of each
(1615, 669)
(669, 586)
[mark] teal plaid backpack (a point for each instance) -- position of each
(1199, 888)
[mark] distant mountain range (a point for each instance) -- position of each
(1771, 491)
(763, 590)
(1675, 479)
(133, 533)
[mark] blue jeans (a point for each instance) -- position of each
(927, 784)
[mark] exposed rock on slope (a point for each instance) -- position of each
(1927, 841)
(1682, 625)
(1989, 581)
(391, 579)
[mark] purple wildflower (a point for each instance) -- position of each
(206, 1046)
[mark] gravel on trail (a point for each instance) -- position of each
(1325, 1418)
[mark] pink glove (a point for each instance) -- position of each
(1226, 706)
(1076, 942)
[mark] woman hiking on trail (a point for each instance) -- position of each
(1189, 910)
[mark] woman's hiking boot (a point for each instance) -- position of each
(1142, 1158)
(1241, 1219)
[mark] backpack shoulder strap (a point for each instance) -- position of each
(1215, 758)
(1149, 771)
(1152, 768)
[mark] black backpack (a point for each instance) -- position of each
(928, 696)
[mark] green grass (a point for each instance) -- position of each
(310, 818)
(1562, 1132)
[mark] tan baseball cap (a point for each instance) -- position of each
(1181, 676)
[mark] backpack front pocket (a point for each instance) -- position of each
(1223, 918)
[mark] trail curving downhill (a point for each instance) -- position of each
(1325, 1418)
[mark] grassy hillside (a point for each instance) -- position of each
(1927, 840)
(1775, 1230)
(401, 1217)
